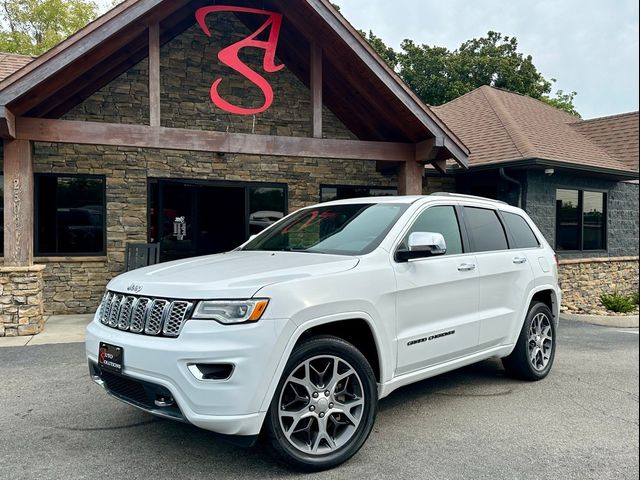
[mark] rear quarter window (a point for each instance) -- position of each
(523, 236)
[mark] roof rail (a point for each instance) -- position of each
(470, 197)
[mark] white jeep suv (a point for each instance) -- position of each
(300, 331)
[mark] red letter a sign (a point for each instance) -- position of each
(229, 56)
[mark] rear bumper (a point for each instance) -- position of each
(154, 368)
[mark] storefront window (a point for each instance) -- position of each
(329, 193)
(267, 205)
(580, 220)
(70, 215)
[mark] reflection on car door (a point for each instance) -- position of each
(437, 297)
(505, 276)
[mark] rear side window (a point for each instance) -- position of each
(485, 229)
(523, 236)
(441, 220)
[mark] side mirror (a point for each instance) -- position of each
(252, 237)
(422, 245)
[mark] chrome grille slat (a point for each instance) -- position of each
(139, 315)
(125, 312)
(144, 315)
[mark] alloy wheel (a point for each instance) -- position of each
(540, 341)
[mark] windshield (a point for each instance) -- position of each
(354, 229)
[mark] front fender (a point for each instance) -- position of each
(383, 349)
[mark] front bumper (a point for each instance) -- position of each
(160, 365)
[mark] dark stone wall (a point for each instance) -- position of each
(540, 203)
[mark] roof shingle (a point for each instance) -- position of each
(501, 126)
(11, 62)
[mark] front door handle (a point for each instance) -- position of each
(520, 260)
(466, 267)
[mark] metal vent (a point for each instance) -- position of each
(141, 315)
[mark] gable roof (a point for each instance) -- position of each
(11, 63)
(500, 126)
(363, 92)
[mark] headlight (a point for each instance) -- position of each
(230, 311)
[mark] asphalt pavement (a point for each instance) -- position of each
(476, 423)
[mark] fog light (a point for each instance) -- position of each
(211, 371)
(163, 401)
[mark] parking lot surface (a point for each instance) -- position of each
(581, 422)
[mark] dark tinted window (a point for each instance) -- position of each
(441, 220)
(581, 220)
(521, 232)
(567, 220)
(485, 229)
(70, 215)
(329, 193)
(593, 221)
(267, 205)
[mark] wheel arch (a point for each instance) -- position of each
(343, 326)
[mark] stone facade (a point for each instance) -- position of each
(21, 300)
(584, 280)
(188, 68)
(622, 227)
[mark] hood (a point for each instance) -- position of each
(238, 274)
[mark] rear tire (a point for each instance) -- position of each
(533, 355)
(325, 405)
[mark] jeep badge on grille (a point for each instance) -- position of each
(135, 288)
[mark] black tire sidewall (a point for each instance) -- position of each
(317, 346)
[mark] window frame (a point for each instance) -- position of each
(368, 187)
(36, 215)
(511, 238)
(466, 247)
(496, 211)
(605, 207)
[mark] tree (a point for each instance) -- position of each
(31, 27)
(438, 75)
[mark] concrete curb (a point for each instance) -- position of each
(622, 321)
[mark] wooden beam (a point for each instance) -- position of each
(410, 178)
(429, 152)
(154, 75)
(316, 89)
(18, 203)
(142, 136)
(7, 124)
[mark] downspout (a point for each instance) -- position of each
(509, 179)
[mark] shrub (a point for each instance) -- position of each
(617, 303)
(634, 298)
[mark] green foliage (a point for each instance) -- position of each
(438, 75)
(635, 298)
(31, 27)
(388, 54)
(618, 303)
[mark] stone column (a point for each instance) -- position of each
(21, 302)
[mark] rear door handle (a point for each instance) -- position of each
(466, 267)
(520, 260)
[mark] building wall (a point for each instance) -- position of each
(622, 227)
(76, 285)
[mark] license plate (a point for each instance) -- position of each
(110, 357)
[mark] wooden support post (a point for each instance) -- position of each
(410, 178)
(316, 89)
(154, 75)
(7, 124)
(18, 203)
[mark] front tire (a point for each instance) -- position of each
(325, 405)
(533, 356)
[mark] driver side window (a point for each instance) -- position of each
(443, 220)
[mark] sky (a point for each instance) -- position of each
(588, 46)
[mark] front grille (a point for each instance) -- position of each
(148, 316)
